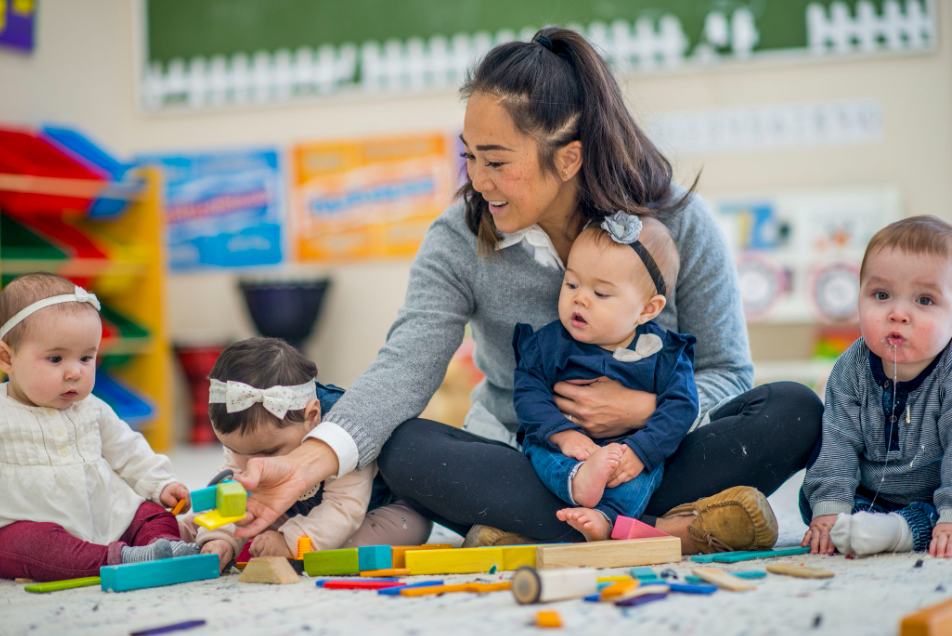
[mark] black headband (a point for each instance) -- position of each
(651, 266)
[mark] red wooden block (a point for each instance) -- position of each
(628, 528)
(360, 585)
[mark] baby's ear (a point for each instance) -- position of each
(312, 414)
(6, 357)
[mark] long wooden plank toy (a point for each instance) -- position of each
(724, 580)
(610, 554)
(135, 576)
(56, 586)
(456, 561)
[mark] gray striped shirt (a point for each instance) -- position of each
(858, 426)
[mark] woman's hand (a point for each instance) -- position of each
(270, 543)
(277, 482)
(603, 407)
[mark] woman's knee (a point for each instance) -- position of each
(792, 398)
(404, 443)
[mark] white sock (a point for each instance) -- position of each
(872, 533)
(840, 533)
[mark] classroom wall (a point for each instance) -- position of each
(82, 73)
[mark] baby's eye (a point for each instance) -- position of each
(601, 295)
(87, 358)
(571, 285)
(925, 301)
(880, 295)
(55, 359)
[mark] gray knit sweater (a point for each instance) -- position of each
(451, 285)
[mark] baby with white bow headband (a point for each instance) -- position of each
(80, 488)
(617, 280)
(264, 398)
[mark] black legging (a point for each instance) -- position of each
(759, 439)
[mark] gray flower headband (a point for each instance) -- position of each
(625, 228)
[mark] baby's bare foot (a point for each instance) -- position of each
(589, 482)
(591, 523)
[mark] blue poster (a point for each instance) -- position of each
(222, 209)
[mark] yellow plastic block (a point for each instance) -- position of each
(397, 552)
(613, 579)
(548, 619)
(458, 561)
(212, 520)
(303, 547)
(516, 556)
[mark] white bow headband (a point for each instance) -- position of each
(278, 400)
(79, 295)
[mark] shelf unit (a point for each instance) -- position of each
(52, 219)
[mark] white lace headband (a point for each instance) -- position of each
(278, 400)
(79, 295)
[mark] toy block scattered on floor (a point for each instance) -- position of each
(745, 574)
(275, 570)
(398, 552)
(213, 519)
(204, 498)
(934, 620)
(548, 618)
(374, 557)
(230, 499)
(610, 554)
(516, 556)
(359, 584)
(799, 571)
(724, 580)
(681, 588)
(476, 588)
(332, 562)
(56, 586)
(456, 561)
(178, 507)
(734, 557)
(303, 547)
(385, 573)
(395, 591)
(628, 528)
(136, 576)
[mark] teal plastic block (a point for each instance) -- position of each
(136, 576)
(702, 558)
(734, 557)
(746, 574)
(230, 499)
(204, 499)
(375, 557)
(332, 562)
(643, 573)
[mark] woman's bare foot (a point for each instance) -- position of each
(588, 485)
(590, 523)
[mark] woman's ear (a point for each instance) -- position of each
(312, 414)
(569, 160)
(652, 308)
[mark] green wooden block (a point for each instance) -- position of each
(230, 499)
(734, 557)
(56, 586)
(135, 576)
(332, 562)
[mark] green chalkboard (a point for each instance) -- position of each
(203, 28)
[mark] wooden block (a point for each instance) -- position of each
(390, 572)
(136, 576)
(204, 498)
(530, 585)
(397, 552)
(374, 557)
(275, 570)
(935, 620)
(744, 574)
(638, 590)
(724, 580)
(332, 562)
(628, 528)
(548, 619)
(395, 591)
(358, 584)
(799, 571)
(477, 588)
(703, 558)
(212, 520)
(610, 554)
(456, 561)
(643, 573)
(178, 507)
(303, 547)
(681, 588)
(56, 586)
(22, 580)
(734, 557)
(230, 499)
(517, 556)
(618, 589)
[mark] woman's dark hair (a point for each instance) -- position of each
(557, 90)
(261, 363)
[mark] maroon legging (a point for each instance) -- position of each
(46, 552)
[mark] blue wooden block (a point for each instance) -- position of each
(734, 557)
(135, 576)
(374, 557)
(692, 589)
(703, 558)
(204, 498)
(395, 591)
(643, 573)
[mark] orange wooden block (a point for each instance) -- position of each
(548, 618)
(178, 507)
(618, 589)
(391, 572)
(478, 588)
(935, 620)
(397, 552)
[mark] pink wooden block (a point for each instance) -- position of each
(628, 528)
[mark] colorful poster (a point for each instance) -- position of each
(17, 21)
(371, 198)
(222, 209)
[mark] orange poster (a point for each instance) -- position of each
(372, 198)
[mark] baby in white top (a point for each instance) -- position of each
(80, 488)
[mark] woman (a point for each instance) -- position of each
(549, 147)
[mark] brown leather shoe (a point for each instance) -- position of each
(738, 518)
(479, 536)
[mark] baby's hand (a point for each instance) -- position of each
(270, 543)
(818, 535)
(223, 549)
(628, 468)
(172, 493)
(941, 544)
(574, 444)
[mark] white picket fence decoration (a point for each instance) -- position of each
(441, 62)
